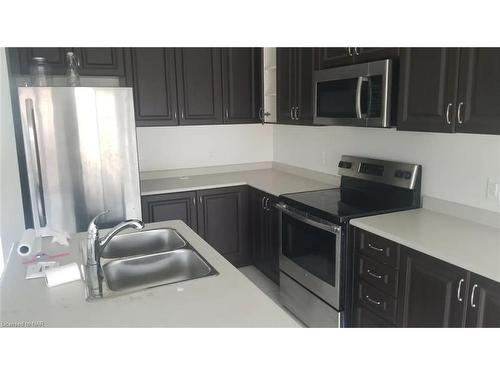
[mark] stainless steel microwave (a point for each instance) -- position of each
(354, 95)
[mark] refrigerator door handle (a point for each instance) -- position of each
(42, 218)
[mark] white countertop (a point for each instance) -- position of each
(225, 300)
(269, 180)
(467, 244)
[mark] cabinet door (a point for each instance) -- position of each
(433, 293)
(364, 318)
(483, 308)
(285, 81)
(175, 206)
(101, 61)
(223, 222)
(304, 96)
(258, 229)
(332, 57)
(428, 87)
(153, 80)
(479, 91)
(366, 54)
(21, 59)
(199, 85)
(242, 85)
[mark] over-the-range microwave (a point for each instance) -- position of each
(354, 95)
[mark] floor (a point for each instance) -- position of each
(267, 286)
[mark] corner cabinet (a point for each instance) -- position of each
(417, 290)
(220, 216)
(242, 85)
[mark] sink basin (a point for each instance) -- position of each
(144, 271)
(143, 242)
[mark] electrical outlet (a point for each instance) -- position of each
(492, 189)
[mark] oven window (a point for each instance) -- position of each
(311, 248)
(337, 99)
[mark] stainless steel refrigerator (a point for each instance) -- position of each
(81, 155)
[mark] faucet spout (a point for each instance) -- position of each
(132, 223)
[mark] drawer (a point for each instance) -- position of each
(379, 275)
(364, 318)
(378, 248)
(378, 302)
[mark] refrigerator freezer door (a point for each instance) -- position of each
(81, 154)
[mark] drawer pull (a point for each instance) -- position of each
(375, 248)
(372, 300)
(369, 272)
(472, 296)
(460, 299)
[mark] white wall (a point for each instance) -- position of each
(12, 218)
(179, 147)
(455, 166)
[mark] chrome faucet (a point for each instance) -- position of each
(95, 245)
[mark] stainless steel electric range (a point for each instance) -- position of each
(315, 266)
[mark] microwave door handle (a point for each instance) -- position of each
(33, 139)
(359, 86)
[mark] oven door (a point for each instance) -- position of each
(355, 95)
(310, 253)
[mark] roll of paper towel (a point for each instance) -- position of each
(62, 275)
(26, 243)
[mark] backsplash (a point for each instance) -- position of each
(455, 166)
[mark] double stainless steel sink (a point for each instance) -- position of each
(149, 258)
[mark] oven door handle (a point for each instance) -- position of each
(330, 227)
(359, 114)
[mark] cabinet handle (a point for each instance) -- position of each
(472, 296)
(227, 113)
(262, 203)
(200, 199)
(356, 51)
(460, 299)
(448, 121)
(459, 113)
(375, 302)
(369, 272)
(182, 114)
(261, 114)
(350, 53)
(267, 204)
(296, 113)
(291, 113)
(175, 115)
(194, 201)
(375, 248)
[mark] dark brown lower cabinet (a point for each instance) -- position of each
(220, 216)
(264, 223)
(223, 222)
(433, 293)
(483, 302)
(421, 291)
(173, 206)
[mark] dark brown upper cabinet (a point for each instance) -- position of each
(478, 99)
(101, 61)
(433, 293)
(199, 85)
(339, 56)
(151, 73)
(242, 85)
(450, 90)
(294, 85)
(428, 89)
(483, 301)
(93, 61)
(223, 221)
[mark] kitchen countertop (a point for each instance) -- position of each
(467, 244)
(228, 299)
(269, 180)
